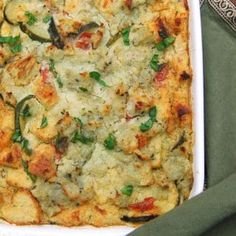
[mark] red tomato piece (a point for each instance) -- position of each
(145, 205)
(44, 71)
(139, 105)
(161, 75)
(128, 3)
(142, 140)
(84, 41)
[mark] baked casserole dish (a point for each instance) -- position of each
(95, 111)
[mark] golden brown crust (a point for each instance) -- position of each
(43, 161)
(22, 210)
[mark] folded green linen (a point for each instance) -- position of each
(196, 215)
(213, 212)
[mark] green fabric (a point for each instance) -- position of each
(214, 211)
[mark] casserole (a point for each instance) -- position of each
(195, 50)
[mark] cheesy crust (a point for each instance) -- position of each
(95, 111)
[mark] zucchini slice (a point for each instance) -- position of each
(87, 27)
(36, 33)
(17, 136)
(14, 11)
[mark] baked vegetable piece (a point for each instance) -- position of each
(95, 111)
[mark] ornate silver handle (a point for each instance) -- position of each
(226, 9)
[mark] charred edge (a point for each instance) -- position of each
(61, 144)
(163, 32)
(185, 76)
(87, 27)
(55, 36)
(84, 28)
(138, 219)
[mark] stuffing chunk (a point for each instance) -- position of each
(23, 70)
(43, 161)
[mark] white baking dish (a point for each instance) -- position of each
(198, 165)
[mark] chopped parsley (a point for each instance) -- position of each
(16, 48)
(127, 190)
(97, 77)
(153, 113)
(46, 19)
(146, 125)
(13, 42)
(31, 18)
(154, 62)
(44, 122)
(165, 43)
(125, 35)
(110, 142)
(149, 123)
(9, 39)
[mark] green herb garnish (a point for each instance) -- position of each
(169, 40)
(9, 39)
(149, 123)
(125, 35)
(160, 46)
(127, 190)
(153, 113)
(13, 42)
(146, 125)
(44, 122)
(80, 137)
(31, 18)
(55, 73)
(46, 19)
(110, 142)
(26, 169)
(16, 48)
(154, 62)
(97, 76)
(26, 111)
(165, 43)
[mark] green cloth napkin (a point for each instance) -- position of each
(214, 211)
